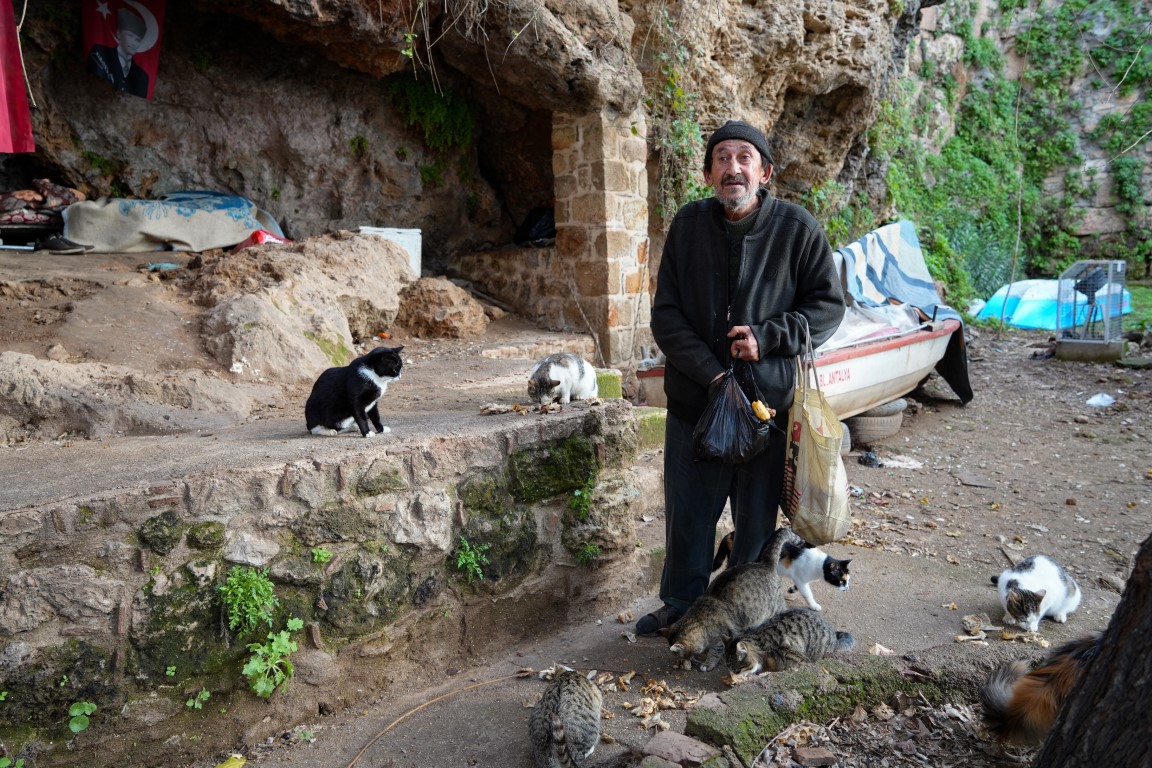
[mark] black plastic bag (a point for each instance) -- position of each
(538, 228)
(728, 431)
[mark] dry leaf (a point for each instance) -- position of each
(878, 650)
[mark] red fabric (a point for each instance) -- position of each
(15, 120)
(101, 38)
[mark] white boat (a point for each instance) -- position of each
(861, 376)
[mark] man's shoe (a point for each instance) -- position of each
(651, 623)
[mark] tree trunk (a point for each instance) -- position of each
(1105, 721)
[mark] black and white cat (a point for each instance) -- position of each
(348, 397)
(562, 377)
(803, 563)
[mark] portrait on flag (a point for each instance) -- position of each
(122, 42)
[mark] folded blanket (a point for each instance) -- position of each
(181, 221)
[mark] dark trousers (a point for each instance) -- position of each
(694, 497)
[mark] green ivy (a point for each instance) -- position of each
(447, 121)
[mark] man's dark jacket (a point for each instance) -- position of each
(786, 272)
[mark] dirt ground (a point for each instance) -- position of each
(960, 492)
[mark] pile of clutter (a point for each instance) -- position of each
(43, 204)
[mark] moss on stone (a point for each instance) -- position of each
(608, 384)
(756, 712)
(38, 693)
(162, 533)
(335, 351)
(650, 424)
(546, 472)
(206, 536)
(486, 494)
(337, 522)
(183, 629)
(366, 593)
(374, 483)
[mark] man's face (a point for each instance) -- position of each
(737, 172)
(129, 40)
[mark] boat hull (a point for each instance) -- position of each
(863, 376)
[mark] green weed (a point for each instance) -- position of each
(197, 701)
(269, 667)
(587, 552)
(248, 598)
(320, 555)
(469, 559)
(79, 713)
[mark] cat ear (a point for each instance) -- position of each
(845, 563)
(1040, 593)
(741, 650)
(553, 383)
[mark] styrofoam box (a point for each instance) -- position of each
(408, 238)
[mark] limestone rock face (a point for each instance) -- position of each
(435, 307)
(291, 104)
(286, 312)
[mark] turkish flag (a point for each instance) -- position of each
(122, 42)
(16, 120)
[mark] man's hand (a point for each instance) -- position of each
(744, 345)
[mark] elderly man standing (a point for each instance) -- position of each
(741, 276)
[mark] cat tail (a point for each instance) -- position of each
(724, 551)
(770, 555)
(560, 749)
(1020, 706)
(845, 641)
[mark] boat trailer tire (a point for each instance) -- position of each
(867, 429)
(887, 409)
(846, 442)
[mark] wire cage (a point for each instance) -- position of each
(1091, 302)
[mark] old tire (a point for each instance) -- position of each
(846, 442)
(887, 409)
(868, 429)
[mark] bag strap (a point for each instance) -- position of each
(806, 360)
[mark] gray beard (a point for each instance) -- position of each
(735, 204)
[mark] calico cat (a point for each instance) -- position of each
(565, 725)
(804, 563)
(793, 637)
(1036, 587)
(347, 397)
(562, 377)
(740, 598)
(1020, 706)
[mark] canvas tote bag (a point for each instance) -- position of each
(815, 483)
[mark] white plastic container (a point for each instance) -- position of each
(408, 238)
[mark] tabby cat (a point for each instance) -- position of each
(1036, 587)
(793, 637)
(803, 563)
(565, 725)
(737, 600)
(1020, 706)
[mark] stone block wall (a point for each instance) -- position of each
(115, 599)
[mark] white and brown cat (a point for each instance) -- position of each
(562, 377)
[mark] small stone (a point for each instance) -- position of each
(1070, 501)
(813, 756)
(57, 352)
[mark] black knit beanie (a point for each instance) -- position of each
(737, 129)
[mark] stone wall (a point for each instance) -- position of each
(596, 277)
(114, 599)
